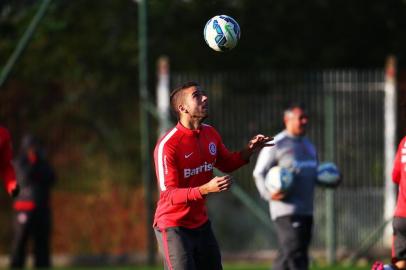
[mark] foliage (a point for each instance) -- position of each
(76, 83)
(75, 87)
(281, 34)
(109, 222)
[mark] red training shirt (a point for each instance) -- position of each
(399, 177)
(7, 172)
(184, 160)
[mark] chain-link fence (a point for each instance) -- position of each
(244, 104)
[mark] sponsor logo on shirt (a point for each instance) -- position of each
(206, 167)
(212, 148)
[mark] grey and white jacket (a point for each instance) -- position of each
(298, 155)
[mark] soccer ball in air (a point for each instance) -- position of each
(222, 33)
(278, 179)
(328, 175)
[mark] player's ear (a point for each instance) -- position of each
(182, 108)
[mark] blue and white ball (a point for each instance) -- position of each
(328, 175)
(278, 179)
(222, 33)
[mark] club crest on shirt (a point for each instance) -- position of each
(212, 149)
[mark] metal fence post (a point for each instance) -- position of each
(162, 95)
(329, 156)
(390, 111)
(144, 127)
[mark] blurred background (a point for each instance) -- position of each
(83, 75)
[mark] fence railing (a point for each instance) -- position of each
(242, 105)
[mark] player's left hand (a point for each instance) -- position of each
(256, 143)
(259, 141)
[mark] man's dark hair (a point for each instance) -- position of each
(293, 105)
(176, 95)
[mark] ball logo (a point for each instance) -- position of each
(222, 33)
(212, 149)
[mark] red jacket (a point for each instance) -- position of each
(7, 173)
(399, 177)
(184, 160)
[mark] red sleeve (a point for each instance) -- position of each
(396, 173)
(168, 178)
(227, 161)
(7, 172)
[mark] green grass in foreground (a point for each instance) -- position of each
(242, 266)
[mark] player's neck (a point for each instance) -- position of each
(190, 123)
(295, 134)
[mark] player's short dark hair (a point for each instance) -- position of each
(176, 95)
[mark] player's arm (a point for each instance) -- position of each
(396, 172)
(217, 184)
(168, 178)
(266, 159)
(7, 172)
(229, 161)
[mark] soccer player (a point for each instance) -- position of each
(291, 212)
(184, 161)
(399, 219)
(7, 173)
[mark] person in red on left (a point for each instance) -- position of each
(7, 172)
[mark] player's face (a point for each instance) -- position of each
(296, 122)
(196, 102)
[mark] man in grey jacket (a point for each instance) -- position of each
(291, 211)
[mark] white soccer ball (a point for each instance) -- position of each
(328, 175)
(278, 179)
(222, 33)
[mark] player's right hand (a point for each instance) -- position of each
(217, 184)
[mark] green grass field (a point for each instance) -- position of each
(245, 266)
